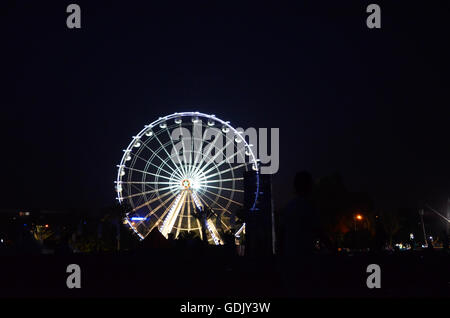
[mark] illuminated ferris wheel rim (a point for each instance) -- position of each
(189, 185)
(175, 116)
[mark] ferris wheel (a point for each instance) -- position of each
(180, 166)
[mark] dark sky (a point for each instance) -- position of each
(369, 104)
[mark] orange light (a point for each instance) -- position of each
(186, 183)
(359, 217)
(46, 225)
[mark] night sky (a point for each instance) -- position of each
(372, 105)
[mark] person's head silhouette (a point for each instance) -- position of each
(303, 183)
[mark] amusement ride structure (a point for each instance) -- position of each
(183, 166)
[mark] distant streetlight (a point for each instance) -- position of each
(358, 217)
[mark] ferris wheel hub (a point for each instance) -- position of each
(186, 184)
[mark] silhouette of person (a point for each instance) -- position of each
(300, 220)
(300, 233)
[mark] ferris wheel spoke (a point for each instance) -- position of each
(164, 162)
(220, 180)
(146, 172)
(214, 202)
(197, 154)
(153, 211)
(222, 162)
(224, 224)
(150, 201)
(220, 218)
(146, 203)
(225, 198)
(200, 169)
(143, 193)
(226, 189)
(211, 145)
(203, 202)
(169, 155)
(183, 170)
(136, 187)
(146, 195)
(223, 171)
(146, 192)
(151, 163)
(174, 170)
(179, 172)
(178, 156)
(221, 208)
(191, 149)
(138, 190)
(151, 197)
(148, 182)
(207, 196)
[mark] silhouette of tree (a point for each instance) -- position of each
(330, 198)
(337, 207)
(391, 224)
